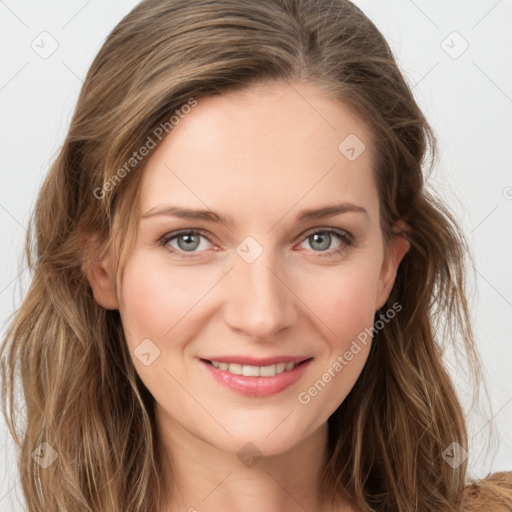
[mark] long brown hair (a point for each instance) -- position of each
(81, 392)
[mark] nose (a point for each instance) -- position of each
(260, 303)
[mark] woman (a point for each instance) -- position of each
(185, 343)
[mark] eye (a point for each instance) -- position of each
(322, 239)
(187, 242)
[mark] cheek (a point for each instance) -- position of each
(344, 302)
(157, 303)
(144, 303)
(154, 297)
(343, 298)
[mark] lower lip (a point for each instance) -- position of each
(258, 386)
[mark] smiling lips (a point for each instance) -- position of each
(257, 377)
(254, 371)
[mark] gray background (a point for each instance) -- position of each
(467, 97)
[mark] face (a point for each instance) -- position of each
(270, 283)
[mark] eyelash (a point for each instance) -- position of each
(342, 235)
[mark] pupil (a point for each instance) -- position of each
(323, 237)
(189, 242)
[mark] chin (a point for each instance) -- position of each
(265, 438)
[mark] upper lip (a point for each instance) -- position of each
(256, 361)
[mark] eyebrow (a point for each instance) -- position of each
(211, 216)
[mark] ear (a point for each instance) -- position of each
(398, 248)
(101, 274)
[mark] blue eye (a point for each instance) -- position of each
(188, 241)
(324, 238)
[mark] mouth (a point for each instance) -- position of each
(269, 370)
(256, 381)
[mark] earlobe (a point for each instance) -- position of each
(102, 279)
(398, 249)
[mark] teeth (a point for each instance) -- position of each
(254, 371)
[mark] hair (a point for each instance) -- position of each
(81, 392)
(494, 490)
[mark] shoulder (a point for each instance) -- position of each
(492, 493)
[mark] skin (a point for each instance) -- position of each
(259, 156)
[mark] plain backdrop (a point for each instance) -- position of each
(457, 56)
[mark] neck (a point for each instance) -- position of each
(205, 477)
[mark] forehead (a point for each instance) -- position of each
(262, 151)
